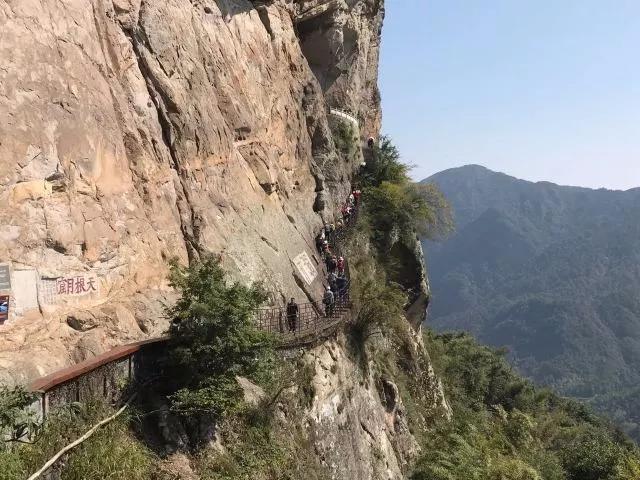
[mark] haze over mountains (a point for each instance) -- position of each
(551, 272)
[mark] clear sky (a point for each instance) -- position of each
(538, 89)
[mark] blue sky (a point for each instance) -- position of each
(542, 90)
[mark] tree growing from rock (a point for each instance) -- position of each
(213, 339)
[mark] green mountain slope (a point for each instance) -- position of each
(552, 273)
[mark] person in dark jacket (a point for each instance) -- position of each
(341, 284)
(293, 314)
(332, 278)
(332, 263)
(329, 302)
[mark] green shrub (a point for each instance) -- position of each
(504, 428)
(379, 307)
(213, 339)
(384, 166)
(16, 420)
(113, 453)
(345, 139)
(258, 447)
(12, 465)
(397, 208)
(590, 454)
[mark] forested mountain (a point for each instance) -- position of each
(553, 274)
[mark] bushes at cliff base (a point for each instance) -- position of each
(505, 428)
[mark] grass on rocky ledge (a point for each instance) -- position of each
(112, 452)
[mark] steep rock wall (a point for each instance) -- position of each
(357, 432)
(134, 131)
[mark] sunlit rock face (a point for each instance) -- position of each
(133, 132)
(358, 421)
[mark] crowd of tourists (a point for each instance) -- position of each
(337, 282)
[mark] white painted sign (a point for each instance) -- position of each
(305, 267)
(25, 290)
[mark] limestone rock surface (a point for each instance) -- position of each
(134, 131)
(358, 422)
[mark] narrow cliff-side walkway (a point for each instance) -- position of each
(100, 376)
(345, 116)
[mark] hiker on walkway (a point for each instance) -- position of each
(293, 314)
(329, 302)
(332, 263)
(332, 278)
(340, 265)
(356, 196)
(352, 199)
(345, 213)
(341, 283)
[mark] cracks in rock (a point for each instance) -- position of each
(268, 242)
(190, 220)
(366, 429)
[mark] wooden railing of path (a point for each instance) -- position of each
(105, 375)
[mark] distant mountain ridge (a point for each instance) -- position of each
(553, 273)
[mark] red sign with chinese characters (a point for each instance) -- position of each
(77, 285)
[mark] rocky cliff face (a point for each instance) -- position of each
(134, 131)
(359, 421)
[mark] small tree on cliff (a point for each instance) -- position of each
(398, 208)
(213, 339)
(384, 166)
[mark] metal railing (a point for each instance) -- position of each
(345, 116)
(312, 317)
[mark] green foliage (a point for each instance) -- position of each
(438, 222)
(16, 421)
(590, 455)
(345, 139)
(396, 212)
(213, 339)
(398, 209)
(257, 447)
(379, 307)
(112, 452)
(505, 429)
(384, 166)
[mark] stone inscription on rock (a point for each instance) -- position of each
(54, 290)
(305, 267)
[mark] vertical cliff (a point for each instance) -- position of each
(134, 131)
